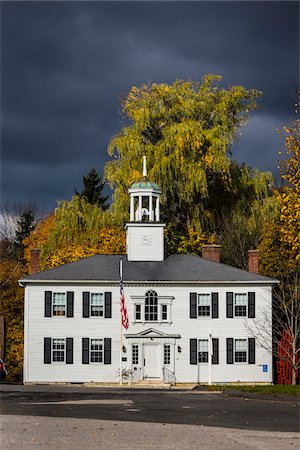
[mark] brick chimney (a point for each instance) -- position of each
(211, 252)
(253, 261)
(35, 261)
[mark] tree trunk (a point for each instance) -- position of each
(293, 375)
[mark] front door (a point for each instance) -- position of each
(152, 367)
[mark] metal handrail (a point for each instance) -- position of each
(168, 376)
(136, 375)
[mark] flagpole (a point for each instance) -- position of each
(121, 340)
(209, 358)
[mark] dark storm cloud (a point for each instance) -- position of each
(66, 65)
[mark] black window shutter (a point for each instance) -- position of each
(229, 304)
(85, 350)
(193, 305)
(215, 346)
(47, 350)
(69, 350)
(107, 306)
(85, 304)
(48, 303)
(193, 351)
(107, 351)
(229, 345)
(251, 305)
(251, 351)
(70, 304)
(215, 305)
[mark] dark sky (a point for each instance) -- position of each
(66, 65)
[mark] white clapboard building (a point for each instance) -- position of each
(187, 315)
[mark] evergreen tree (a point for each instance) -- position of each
(92, 190)
(25, 225)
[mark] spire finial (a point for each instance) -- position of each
(145, 166)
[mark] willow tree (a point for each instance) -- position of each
(76, 229)
(186, 130)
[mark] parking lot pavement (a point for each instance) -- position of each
(177, 407)
(44, 433)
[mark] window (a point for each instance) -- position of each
(240, 305)
(203, 350)
(138, 312)
(167, 354)
(96, 352)
(151, 307)
(204, 303)
(240, 350)
(135, 354)
(164, 312)
(58, 350)
(59, 304)
(97, 305)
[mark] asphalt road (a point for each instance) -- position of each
(71, 417)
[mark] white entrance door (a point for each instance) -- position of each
(152, 364)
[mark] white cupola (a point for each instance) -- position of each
(144, 232)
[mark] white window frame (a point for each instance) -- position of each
(208, 295)
(161, 306)
(101, 340)
(167, 355)
(62, 341)
(135, 349)
(140, 312)
(103, 305)
(240, 351)
(63, 302)
(199, 350)
(245, 297)
(161, 300)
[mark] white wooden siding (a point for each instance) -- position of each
(37, 327)
(153, 251)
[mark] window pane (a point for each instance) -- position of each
(58, 304)
(167, 354)
(58, 350)
(203, 345)
(204, 304)
(138, 315)
(240, 299)
(164, 312)
(135, 354)
(97, 305)
(96, 350)
(151, 306)
(204, 299)
(240, 345)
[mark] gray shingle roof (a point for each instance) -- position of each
(174, 268)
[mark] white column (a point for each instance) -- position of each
(140, 208)
(150, 208)
(131, 208)
(157, 210)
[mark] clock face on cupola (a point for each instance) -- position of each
(145, 232)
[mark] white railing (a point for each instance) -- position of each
(136, 375)
(169, 376)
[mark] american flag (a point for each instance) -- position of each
(123, 309)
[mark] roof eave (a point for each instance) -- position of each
(271, 282)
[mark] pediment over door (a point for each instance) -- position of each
(152, 333)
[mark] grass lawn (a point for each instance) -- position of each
(268, 389)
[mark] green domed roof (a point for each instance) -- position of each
(144, 184)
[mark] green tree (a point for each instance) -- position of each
(185, 130)
(92, 190)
